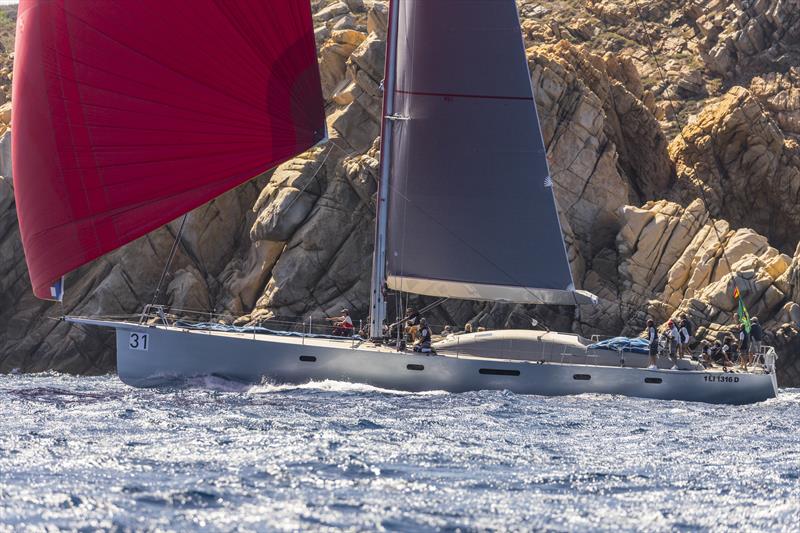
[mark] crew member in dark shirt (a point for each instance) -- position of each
(744, 348)
(756, 338)
(652, 340)
(422, 343)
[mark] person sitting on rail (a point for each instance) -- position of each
(342, 325)
(409, 323)
(705, 354)
(714, 352)
(720, 354)
(411, 317)
(422, 341)
(728, 351)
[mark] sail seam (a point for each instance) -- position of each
(465, 95)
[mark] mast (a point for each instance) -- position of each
(377, 300)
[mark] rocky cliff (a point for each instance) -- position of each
(672, 132)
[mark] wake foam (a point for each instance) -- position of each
(330, 385)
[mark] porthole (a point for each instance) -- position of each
(498, 372)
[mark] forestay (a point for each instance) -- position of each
(130, 113)
(471, 206)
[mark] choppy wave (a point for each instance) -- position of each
(92, 453)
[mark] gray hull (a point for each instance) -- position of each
(155, 355)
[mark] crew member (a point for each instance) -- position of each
(744, 348)
(410, 322)
(652, 339)
(683, 330)
(422, 343)
(756, 337)
(728, 351)
(706, 354)
(411, 318)
(690, 328)
(718, 355)
(674, 337)
(342, 325)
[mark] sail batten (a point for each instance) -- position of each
(128, 114)
(471, 207)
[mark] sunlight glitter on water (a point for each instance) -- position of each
(93, 453)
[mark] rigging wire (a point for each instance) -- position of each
(662, 76)
(428, 307)
(167, 265)
(178, 236)
(314, 176)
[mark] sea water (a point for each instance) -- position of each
(91, 453)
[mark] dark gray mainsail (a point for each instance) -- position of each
(471, 211)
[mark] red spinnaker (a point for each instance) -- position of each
(129, 113)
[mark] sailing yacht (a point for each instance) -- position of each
(465, 203)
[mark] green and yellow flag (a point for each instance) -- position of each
(742, 314)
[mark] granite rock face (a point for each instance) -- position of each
(779, 95)
(676, 179)
(742, 34)
(604, 146)
(672, 260)
(737, 158)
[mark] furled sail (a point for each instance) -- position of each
(129, 113)
(471, 207)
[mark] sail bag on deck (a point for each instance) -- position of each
(129, 113)
(471, 206)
